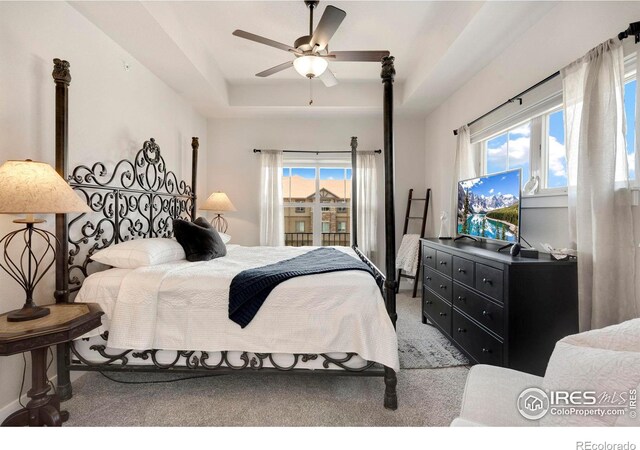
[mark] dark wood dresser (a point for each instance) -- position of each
(498, 309)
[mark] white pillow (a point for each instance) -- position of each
(225, 238)
(140, 252)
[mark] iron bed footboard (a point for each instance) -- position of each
(144, 187)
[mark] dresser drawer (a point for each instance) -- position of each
(480, 345)
(489, 281)
(479, 308)
(443, 263)
(428, 257)
(463, 270)
(438, 283)
(437, 310)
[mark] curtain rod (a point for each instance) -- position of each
(633, 30)
(257, 150)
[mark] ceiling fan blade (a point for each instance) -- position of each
(265, 41)
(328, 78)
(329, 23)
(276, 69)
(365, 55)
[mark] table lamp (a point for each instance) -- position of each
(30, 187)
(219, 203)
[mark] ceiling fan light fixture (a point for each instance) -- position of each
(310, 66)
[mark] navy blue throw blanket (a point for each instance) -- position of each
(250, 288)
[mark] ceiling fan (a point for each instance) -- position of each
(311, 51)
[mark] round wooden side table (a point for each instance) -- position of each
(65, 323)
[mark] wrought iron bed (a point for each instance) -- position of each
(139, 198)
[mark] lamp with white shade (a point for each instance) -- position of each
(30, 187)
(219, 203)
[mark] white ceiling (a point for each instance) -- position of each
(392, 26)
(438, 47)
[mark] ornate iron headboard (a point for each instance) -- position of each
(136, 199)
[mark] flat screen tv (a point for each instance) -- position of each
(489, 206)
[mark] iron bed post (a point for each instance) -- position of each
(387, 74)
(195, 145)
(354, 192)
(62, 78)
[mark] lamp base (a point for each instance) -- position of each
(28, 312)
(220, 223)
(27, 267)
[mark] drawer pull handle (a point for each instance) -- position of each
(428, 302)
(486, 313)
(443, 314)
(462, 330)
(428, 257)
(462, 271)
(487, 281)
(428, 278)
(443, 263)
(461, 298)
(442, 286)
(486, 350)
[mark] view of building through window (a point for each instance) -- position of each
(317, 205)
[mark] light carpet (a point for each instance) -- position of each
(427, 397)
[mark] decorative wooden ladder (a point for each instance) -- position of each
(407, 218)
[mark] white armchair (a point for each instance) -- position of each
(604, 361)
(490, 396)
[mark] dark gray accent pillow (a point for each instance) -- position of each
(200, 241)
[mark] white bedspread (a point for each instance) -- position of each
(184, 306)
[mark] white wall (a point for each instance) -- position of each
(112, 112)
(234, 168)
(567, 32)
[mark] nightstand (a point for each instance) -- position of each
(65, 322)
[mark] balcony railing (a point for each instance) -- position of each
(301, 239)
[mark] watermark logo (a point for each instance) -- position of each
(533, 403)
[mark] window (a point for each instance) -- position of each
(630, 88)
(556, 154)
(315, 193)
(537, 146)
(510, 150)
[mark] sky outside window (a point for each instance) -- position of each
(304, 172)
(518, 149)
(510, 151)
(497, 154)
(557, 154)
(630, 112)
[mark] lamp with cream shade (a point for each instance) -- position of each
(219, 203)
(30, 187)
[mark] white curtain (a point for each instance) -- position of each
(466, 166)
(367, 186)
(271, 201)
(600, 216)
